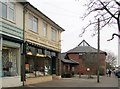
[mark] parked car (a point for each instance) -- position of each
(117, 74)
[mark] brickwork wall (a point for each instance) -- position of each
(81, 69)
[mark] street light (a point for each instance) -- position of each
(88, 70)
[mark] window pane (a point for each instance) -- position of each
(44, 29)
(11, 11)
(4, 10)
(4, 1)
(11, 5)
(33, 23)
(53, 35)
(11, 14)
(9, 62)
(30, 22)
(0, 9)
(35, 26)
(11, 0)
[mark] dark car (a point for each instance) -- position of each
(118, 74)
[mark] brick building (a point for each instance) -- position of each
(86, 56)
(68, 65)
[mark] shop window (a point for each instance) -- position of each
(30, 50)
(47, 67)
(53, 53)
(48, 53)
(39, 51)
(37, 66)
(9, 62)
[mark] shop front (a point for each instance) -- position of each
(11, 59)
(40, 62)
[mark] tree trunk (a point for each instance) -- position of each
(118, 22)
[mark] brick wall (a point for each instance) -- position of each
(82, 69)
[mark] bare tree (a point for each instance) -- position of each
(90, 59)
(111, 59)
(107, 10)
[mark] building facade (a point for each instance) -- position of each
(42, 39)
(11, 38)
(68, 66)
(86, 56)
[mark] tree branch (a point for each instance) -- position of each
(113, 36)
(107, 10)
(117, 2)
(96, 9)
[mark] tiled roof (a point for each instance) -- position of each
(69, 61)
(84, 47)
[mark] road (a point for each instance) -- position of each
(76, 83)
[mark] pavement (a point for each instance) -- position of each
(76, 82)
(81, 82)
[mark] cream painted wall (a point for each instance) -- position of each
(38, 37)
(19, 15)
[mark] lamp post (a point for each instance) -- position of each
(98, 52)
(88, 70)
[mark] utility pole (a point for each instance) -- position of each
(98, 52)
(1, 71)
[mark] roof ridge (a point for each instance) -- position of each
(84, 42)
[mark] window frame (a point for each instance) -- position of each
(13, 9)
(8, 8)
(44, 29)
(34, 20)
(53, 34)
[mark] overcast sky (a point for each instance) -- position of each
(67, 14)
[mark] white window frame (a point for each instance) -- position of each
(12, 8)
(53, 34)
(9, 6)
(44, 29)
(32, 22)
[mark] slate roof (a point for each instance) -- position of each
(69, 61)
(84, 47)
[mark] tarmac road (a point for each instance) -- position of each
(76, 83)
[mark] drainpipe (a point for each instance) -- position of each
(24, 47)
(59, 63)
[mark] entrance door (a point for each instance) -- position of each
(53, 65)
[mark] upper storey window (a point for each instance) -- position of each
(44, 29)
(53, 35)
(33, 23)
(8, 10)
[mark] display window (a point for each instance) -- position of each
(10, 61)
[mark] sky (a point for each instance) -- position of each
(67, 14)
